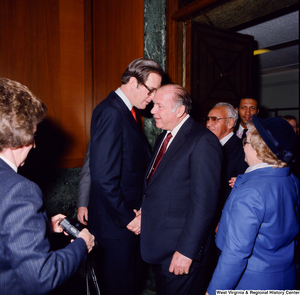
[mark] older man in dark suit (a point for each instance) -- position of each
(180, 196)
(221, 120)
(27, 266)
(119, 156)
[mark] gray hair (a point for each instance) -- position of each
(231, 111)
(181, 97)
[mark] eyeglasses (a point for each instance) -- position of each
(214, 119)
(149, 89)
(244, 141)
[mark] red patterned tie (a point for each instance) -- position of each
(133, 114)
(159, 156)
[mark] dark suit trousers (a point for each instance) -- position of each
(119, 267)
(194, 283)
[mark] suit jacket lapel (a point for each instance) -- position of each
(231, 143)
(172, 149)
(155, 151)
(132, 122)
(126, 112)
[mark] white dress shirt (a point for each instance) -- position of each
(124, 98)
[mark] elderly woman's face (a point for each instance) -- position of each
(250, 153)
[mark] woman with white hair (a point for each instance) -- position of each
(259, 223)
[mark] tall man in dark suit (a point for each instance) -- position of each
(221, 120)
(119, 156)
(27, 266)
(180, 197)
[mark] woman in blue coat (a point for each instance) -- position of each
(259, 223)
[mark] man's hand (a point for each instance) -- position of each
(137, 213)
(135, 224)
(216, 229)
(55, 220)
(82, 215)
(232, 181)
(180, 264)
(88, 238)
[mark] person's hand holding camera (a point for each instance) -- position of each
(88, 238)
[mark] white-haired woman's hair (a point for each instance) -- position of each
(232, 112)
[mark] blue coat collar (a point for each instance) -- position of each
(261, 172)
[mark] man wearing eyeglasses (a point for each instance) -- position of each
(119, 156)
(221, 120)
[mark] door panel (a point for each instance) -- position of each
(219, 67)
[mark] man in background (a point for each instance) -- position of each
(180, 196)
(248, 107)
(119, 156)
(221, 120)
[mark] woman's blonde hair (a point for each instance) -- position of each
(263, 152)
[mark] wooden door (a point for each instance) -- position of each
(219, 66)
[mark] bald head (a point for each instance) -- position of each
(171, 104)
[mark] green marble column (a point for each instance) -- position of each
(154, 48)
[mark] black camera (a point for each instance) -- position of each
(69, 228)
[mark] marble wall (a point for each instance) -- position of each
(155, 31)
(60, 196)
(154, 48)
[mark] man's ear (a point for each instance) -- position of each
(257, 111)
(231, 123)
(180, 111)
(133, 83)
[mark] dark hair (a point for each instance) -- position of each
(248, 96)
(20, 112)
(140, 69)
(182, 97)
